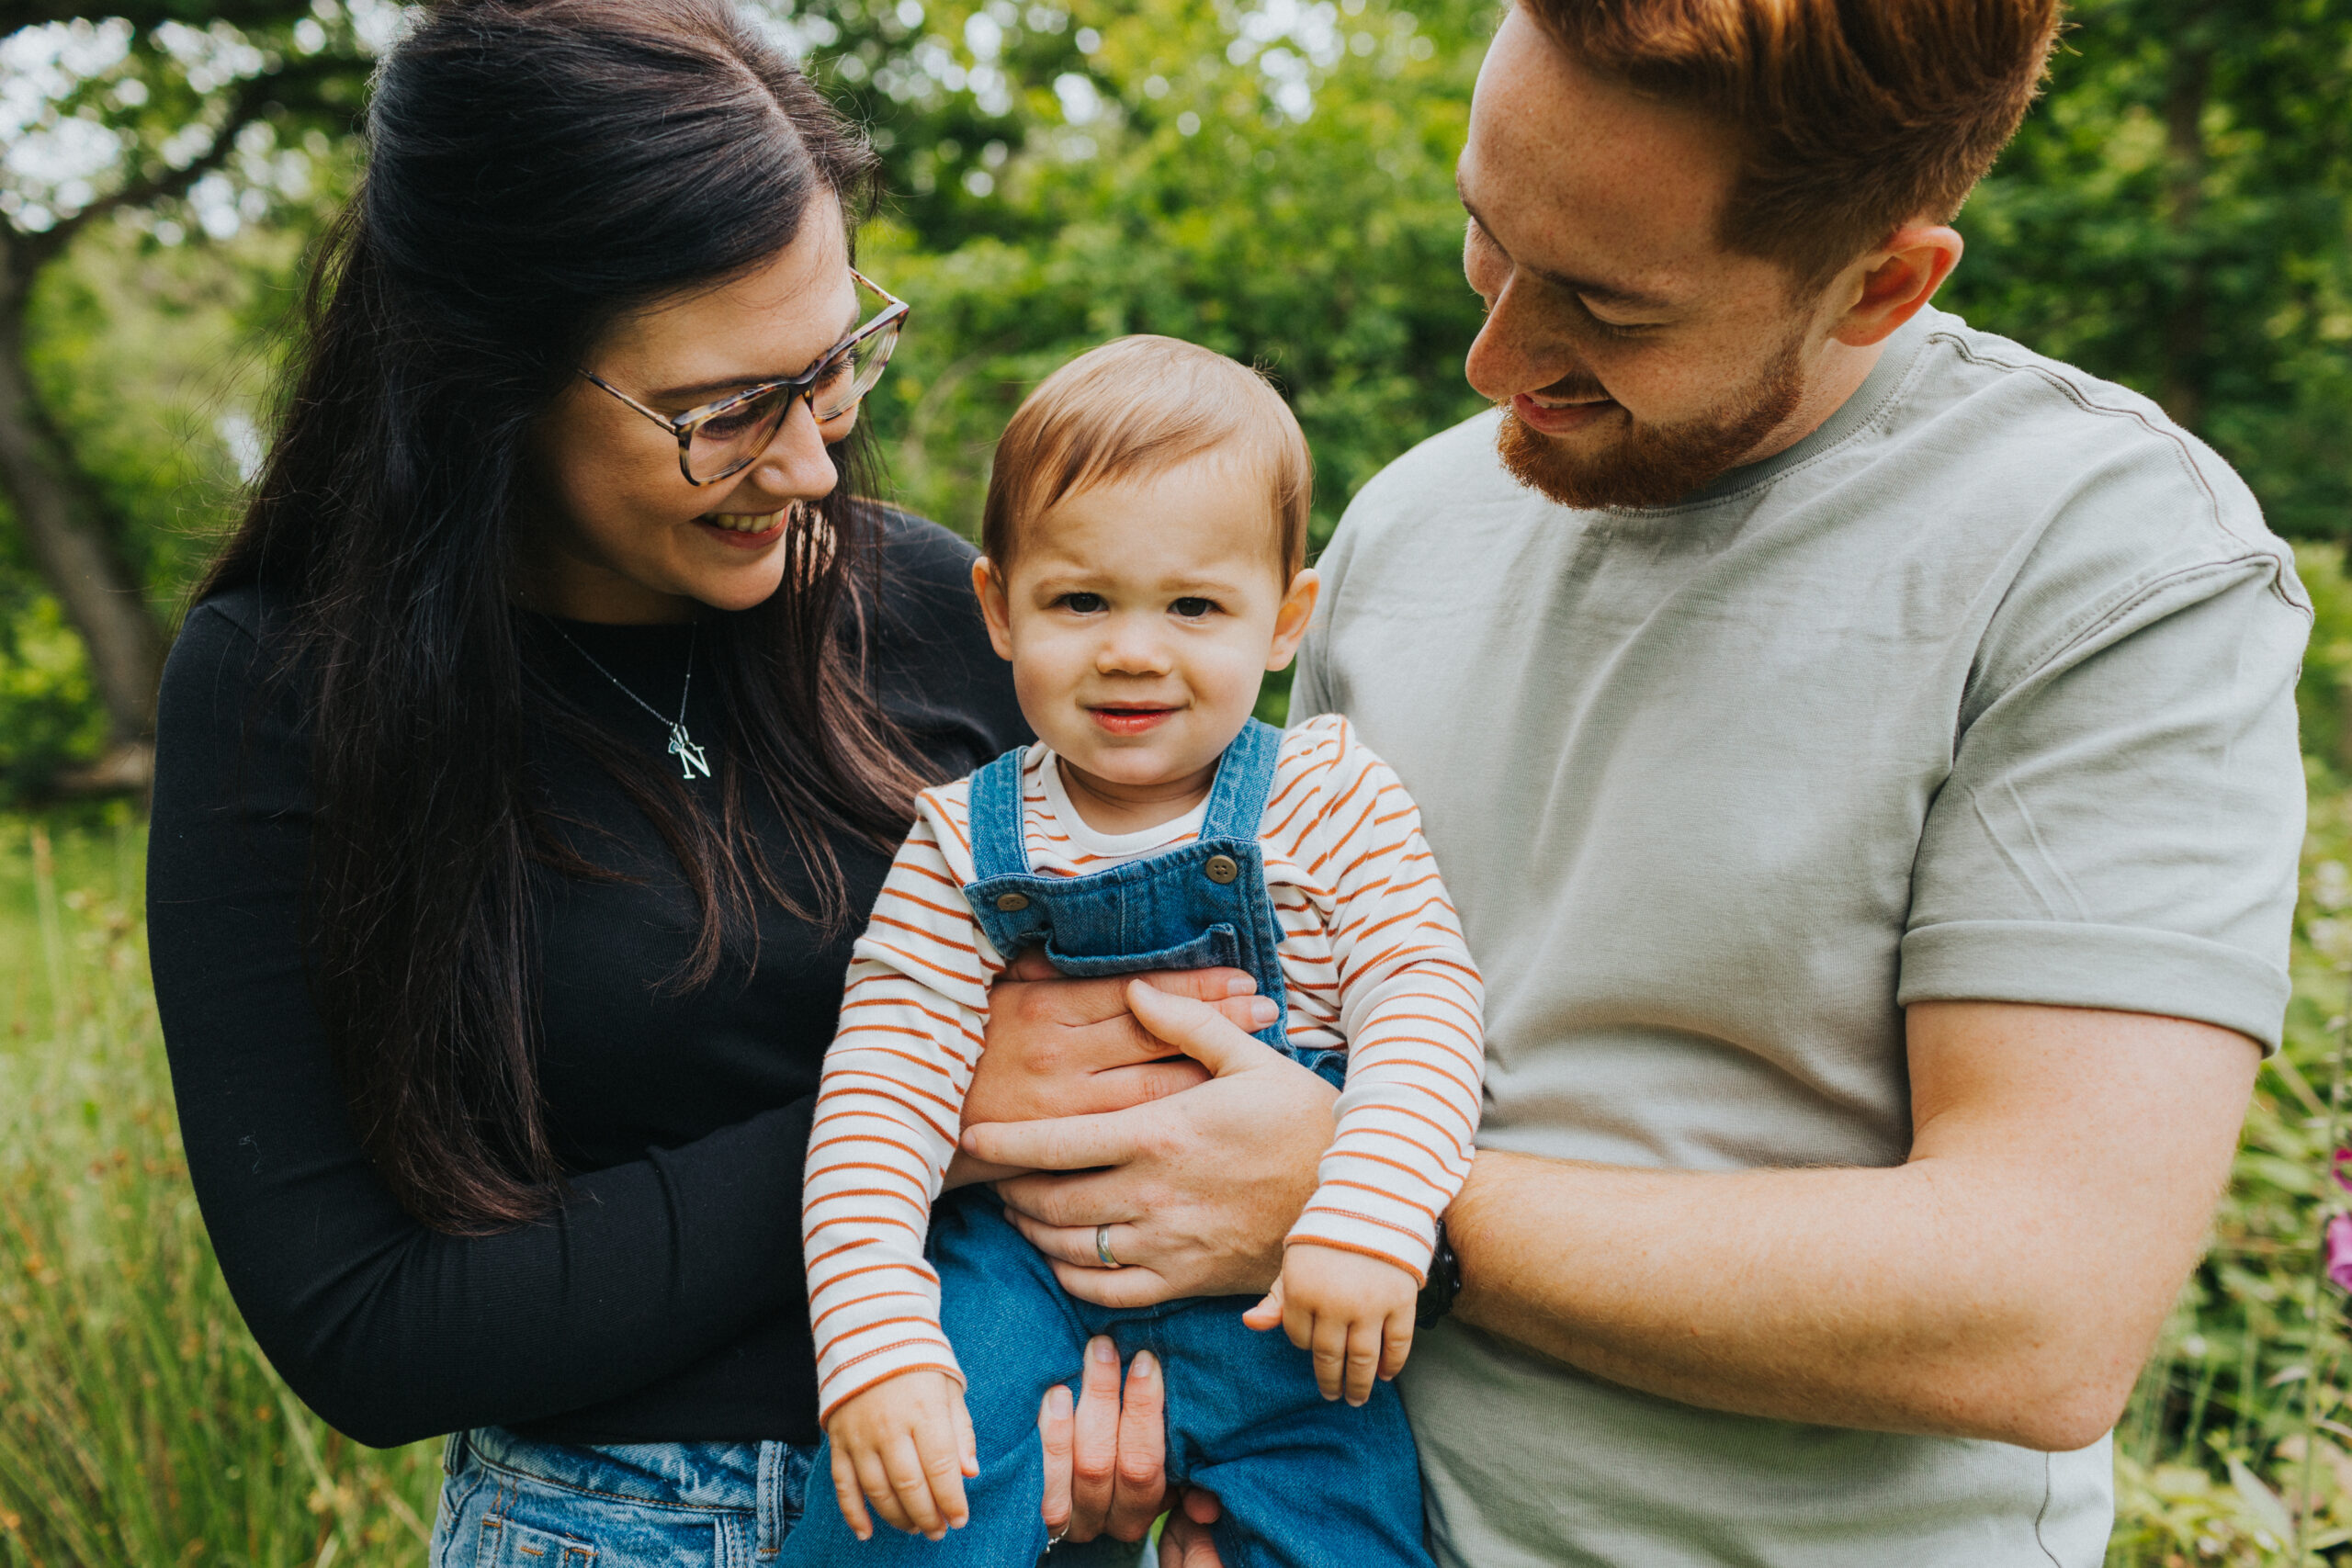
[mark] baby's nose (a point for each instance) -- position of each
(1131, 651)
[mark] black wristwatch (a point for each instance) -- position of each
(1445, 1282)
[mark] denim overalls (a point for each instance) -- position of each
(1304, 1481)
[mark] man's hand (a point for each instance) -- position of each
(905, 1445)
(1062, 1047)
(1352, 1311)
(1199, 1187)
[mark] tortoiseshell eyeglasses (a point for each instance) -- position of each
(721, 439)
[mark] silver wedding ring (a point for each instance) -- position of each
(1102, 1246)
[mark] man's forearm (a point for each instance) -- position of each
(2005, 1283)
(1829, 1296)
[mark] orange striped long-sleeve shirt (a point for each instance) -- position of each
(1373, 960)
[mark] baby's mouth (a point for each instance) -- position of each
(1129, 720)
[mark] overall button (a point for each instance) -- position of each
(1221, 868)
(1013, 903)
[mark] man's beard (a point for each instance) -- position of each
(1652, 465)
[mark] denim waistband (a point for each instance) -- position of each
(676, 1475)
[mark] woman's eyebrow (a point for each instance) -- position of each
(705, 391)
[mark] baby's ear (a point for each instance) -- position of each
(1292, 619)
(987, 586)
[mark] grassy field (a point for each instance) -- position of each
(139, 1426)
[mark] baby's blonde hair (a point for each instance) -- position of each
(1135, 407)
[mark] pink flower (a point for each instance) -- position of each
(2339, 1251)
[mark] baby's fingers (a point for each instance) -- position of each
(1396, 1344)
(910, 1485)
(851, 1495)
(943, 1469)
(1328, 1342)
(1267, 1314)
(1365, 1335)
(874, 1482)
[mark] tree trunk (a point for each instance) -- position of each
(2187, 86)
(64, 526)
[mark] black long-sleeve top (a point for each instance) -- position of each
(664, 1300)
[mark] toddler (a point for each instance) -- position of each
(1146, 533)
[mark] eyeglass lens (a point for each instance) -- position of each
(726, 442)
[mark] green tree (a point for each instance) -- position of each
(2177, 216)
(1274, 181)
(177, 115)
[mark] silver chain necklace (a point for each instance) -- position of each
(682, 746)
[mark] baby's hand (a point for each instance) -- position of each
(1354, 1311)
(906, 1445)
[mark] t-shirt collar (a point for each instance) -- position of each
(1856, 410)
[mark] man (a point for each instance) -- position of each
(1864, 756)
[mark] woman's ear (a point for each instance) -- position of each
(988, 585)
(1292, 619)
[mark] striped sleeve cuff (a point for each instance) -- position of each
(878, 1351)
(1356, 1215)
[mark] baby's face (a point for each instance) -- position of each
(1140, 618)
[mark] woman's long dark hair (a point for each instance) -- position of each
(537, 167)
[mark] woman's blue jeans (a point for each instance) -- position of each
(509, 1502)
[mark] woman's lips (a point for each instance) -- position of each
(1560, 418)
(1129, 721)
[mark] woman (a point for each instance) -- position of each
(528, 765)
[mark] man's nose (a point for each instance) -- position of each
(1515, 350)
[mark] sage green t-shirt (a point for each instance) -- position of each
(1984, 690)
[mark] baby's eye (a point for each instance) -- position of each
(1083, 604)
(1192, 609)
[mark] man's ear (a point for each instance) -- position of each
(1292, 621)
(987, 586)
(1895, 282)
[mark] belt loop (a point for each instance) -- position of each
(453, 1454)
(771, 1499)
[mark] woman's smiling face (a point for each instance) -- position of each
(615, 533)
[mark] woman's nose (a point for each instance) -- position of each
(795, 466)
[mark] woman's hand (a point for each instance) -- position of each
(1062, 1047)
(1106, 1462)
(1201, 1185)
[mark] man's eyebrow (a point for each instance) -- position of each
(1584, 288)
(707, 391)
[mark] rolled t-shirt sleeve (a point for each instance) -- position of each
(2122, 821)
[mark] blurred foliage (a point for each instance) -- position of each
(139, 1423)
(1276, 184)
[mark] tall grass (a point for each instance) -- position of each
(138, 1425)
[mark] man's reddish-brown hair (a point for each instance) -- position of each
(1855, 117)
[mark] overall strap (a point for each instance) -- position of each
(998, 846)
(1244, 778)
